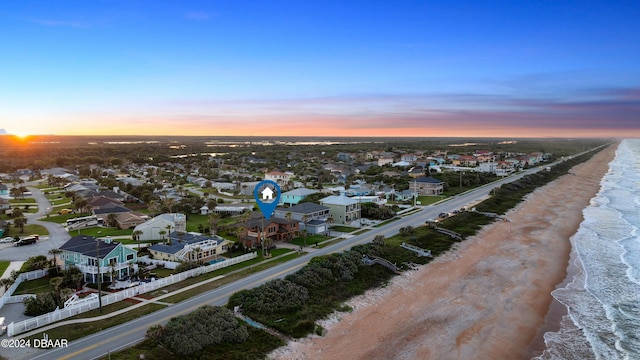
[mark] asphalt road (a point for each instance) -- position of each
(57, 234)
(132, 332)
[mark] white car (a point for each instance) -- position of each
(8, 239)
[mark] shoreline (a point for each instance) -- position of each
(486, 298)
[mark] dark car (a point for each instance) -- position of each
(26, 241)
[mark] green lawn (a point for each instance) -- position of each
(311, 239)
(58, 202)
(34, 286)
(3, 266)
(428, 200)
(342, 228)
(31, 229)
(23, 201)
(101, 231)
(61, 219)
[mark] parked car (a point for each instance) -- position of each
(25, 241)
(65, 211)
(8, 239)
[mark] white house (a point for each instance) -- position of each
(278, 177)
(165, 222)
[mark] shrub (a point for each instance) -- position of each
(41, 304)
(206, 326)
(275, 296)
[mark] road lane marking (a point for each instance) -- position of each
(166, 318)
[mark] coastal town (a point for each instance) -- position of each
(97, 232)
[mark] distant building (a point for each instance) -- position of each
(165, 222)
(313, 214)
(275, 229)
(426, 185)
(343, 209)
(385, 160)
(278, 177)
(294, 197)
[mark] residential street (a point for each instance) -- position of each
(57, 234)
(128, 334)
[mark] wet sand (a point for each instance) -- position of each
(485, 299)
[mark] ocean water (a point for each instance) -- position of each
(603, 298)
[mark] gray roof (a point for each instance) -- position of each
(428, 179)
(86, 245)
(338, 200)
(187, 238)
(305, 208)
(300, 192)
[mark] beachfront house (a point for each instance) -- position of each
(102, 256)
(314, 215)
(427, 185)
(343, 209)
(190, 246)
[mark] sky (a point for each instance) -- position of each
(321, 68)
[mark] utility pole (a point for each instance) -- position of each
(99, 276)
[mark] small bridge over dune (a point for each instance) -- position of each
(370, 260)
(418, 250)
(492, 215)
(448, 232)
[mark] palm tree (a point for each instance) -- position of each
(168, 227)
(197, 250)
(80, 204)
(305, 220)
(112, 271)
(56, 284)
(213, 223)
(54, 253)
(136, 236)
(162, 233)
(111, 219)
(329, 222)
(6, 282)
(20, 222)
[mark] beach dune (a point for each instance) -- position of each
(485, 299)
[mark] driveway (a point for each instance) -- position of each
(57, 234)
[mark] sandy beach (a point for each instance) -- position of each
(486, 299)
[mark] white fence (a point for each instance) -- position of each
(7, 297)
(167, 264)
(60, 314)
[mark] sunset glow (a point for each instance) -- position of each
(471, 69)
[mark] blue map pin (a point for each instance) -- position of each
(267, 195)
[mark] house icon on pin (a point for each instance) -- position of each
(267, 193)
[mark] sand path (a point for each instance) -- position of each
(485, 300)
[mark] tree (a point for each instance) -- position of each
(20, 222)
(54, 253)
(6, 282)
(135, 235)
(112, 271)
(162, 233)
(16, 213)
(80, 204)
(73, 277)
(305, 220)
(213, 223)
(206, 326)
(198, 251)
(112, 220)
(378, 240)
